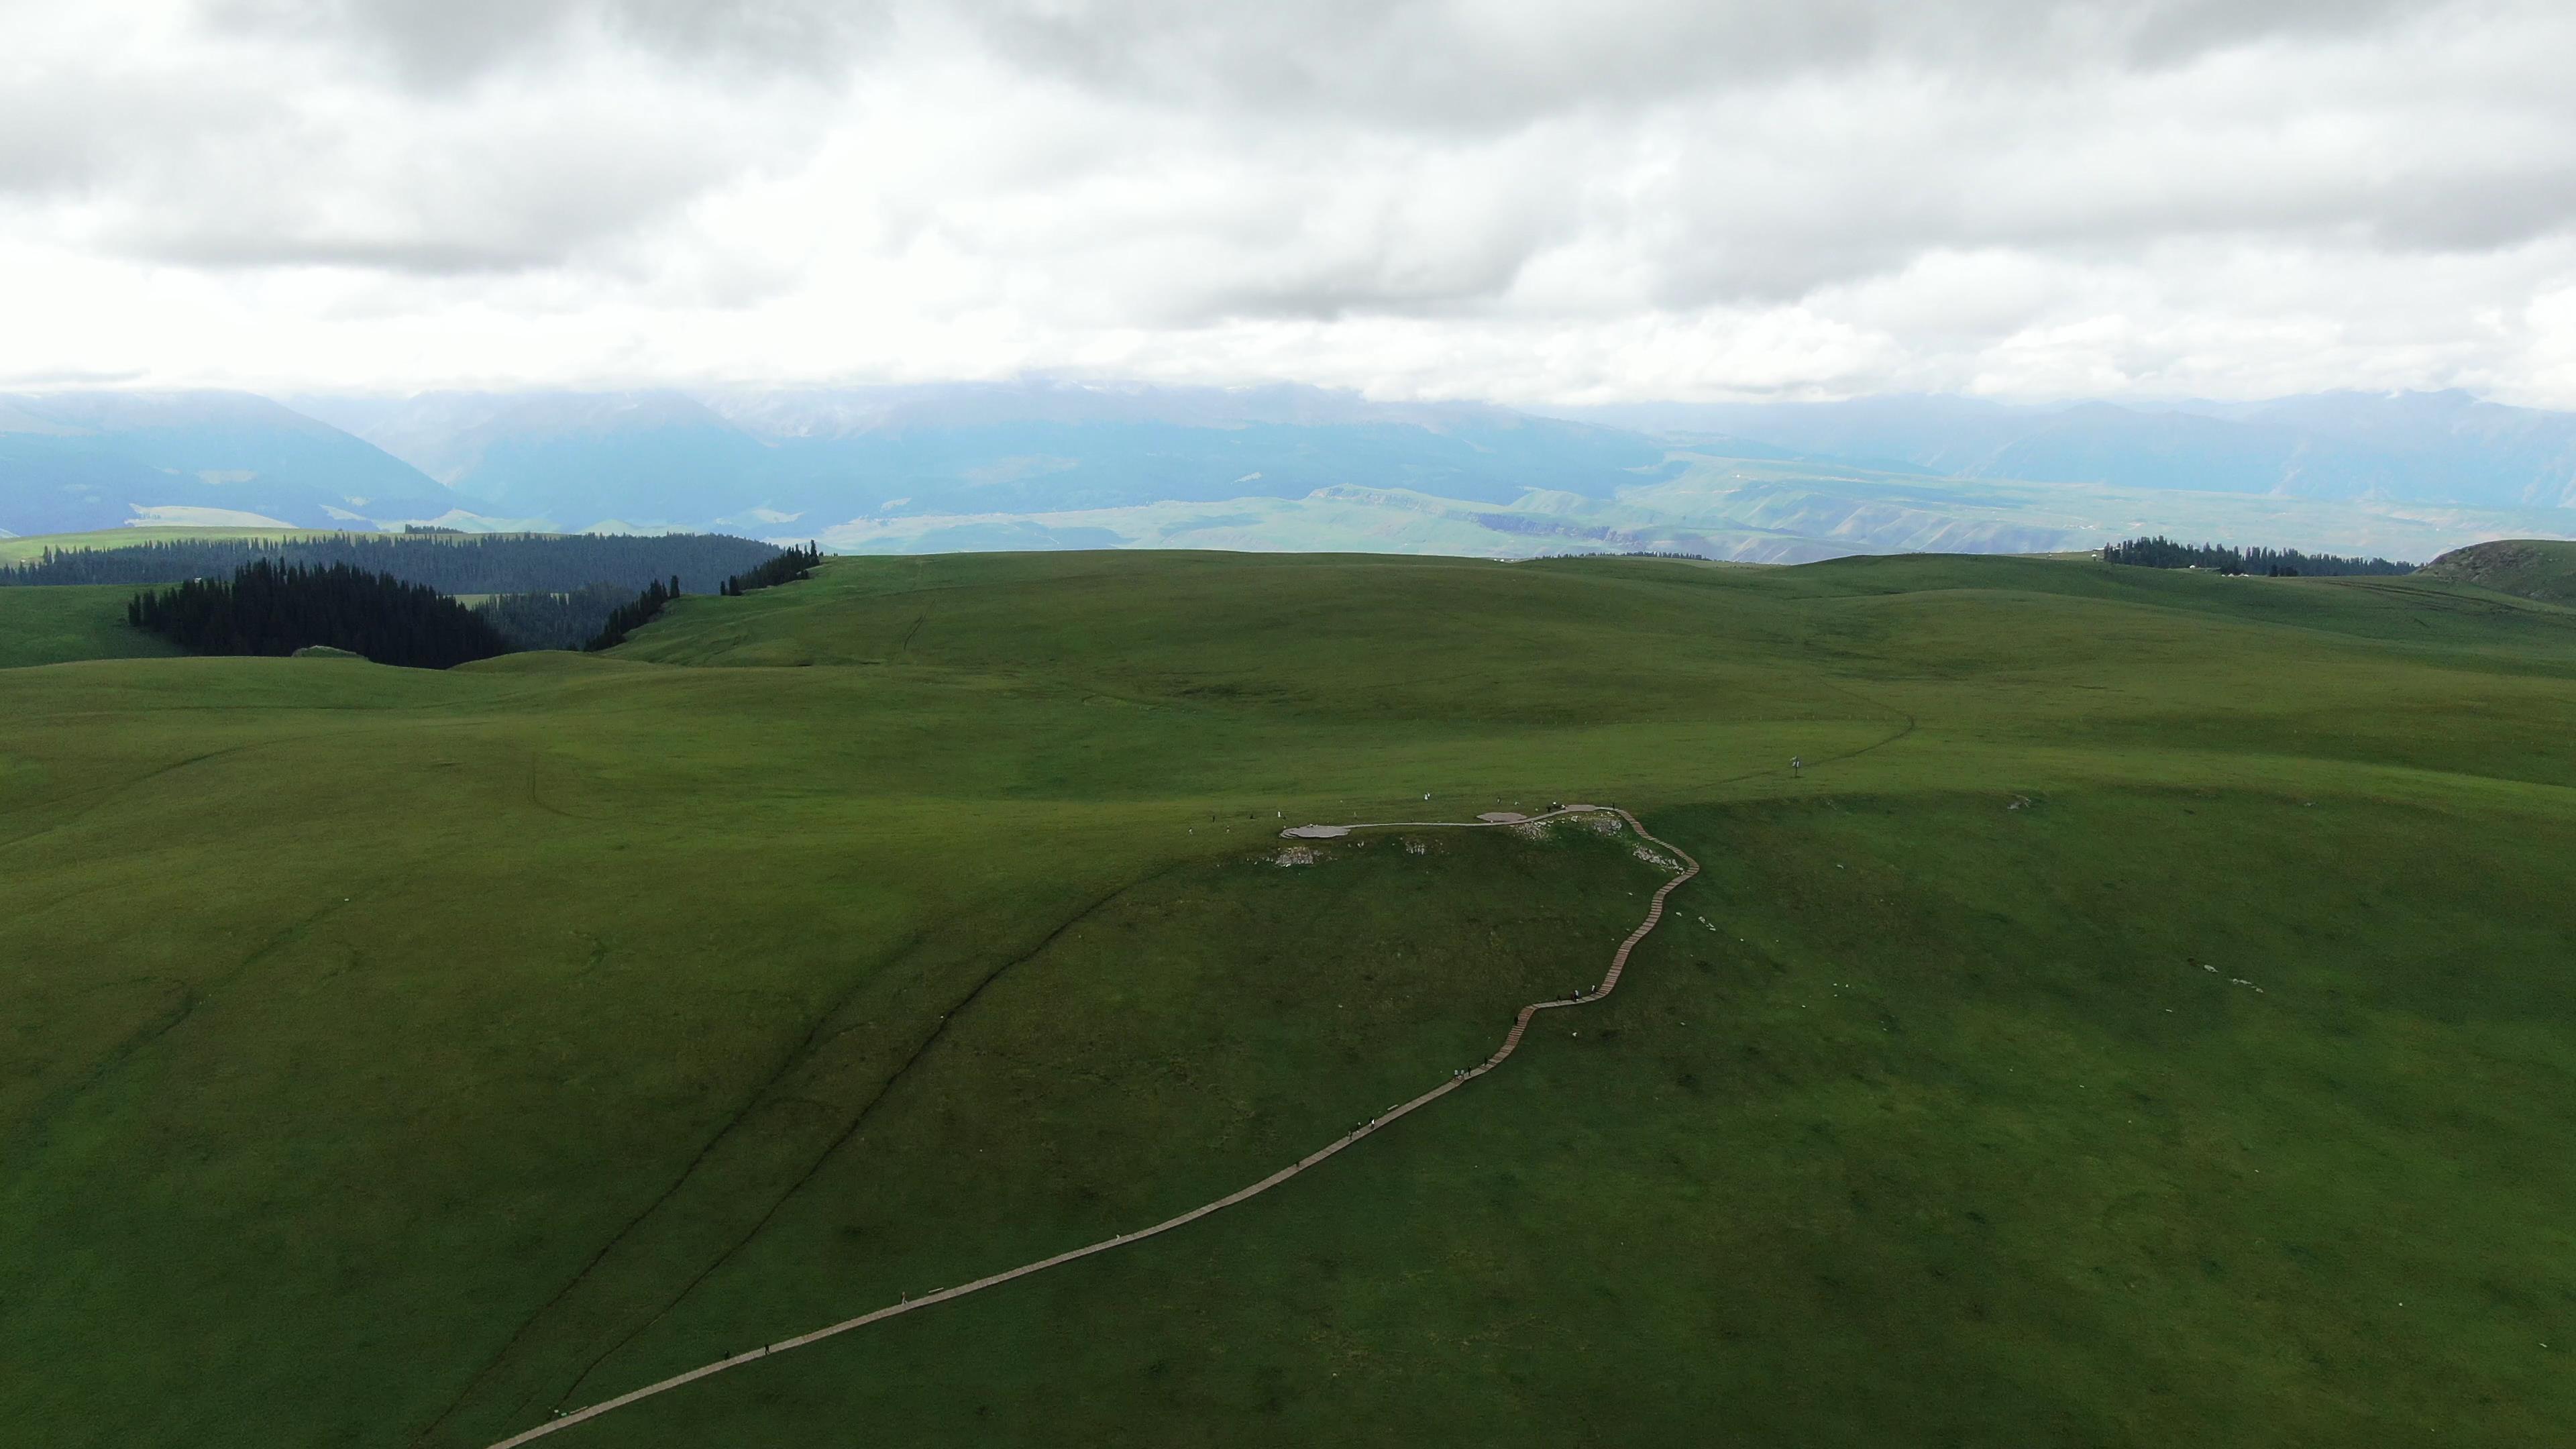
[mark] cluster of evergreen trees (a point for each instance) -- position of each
(270, 606)
(554, 621)
(1623, 553)
(2163, 553)
(273, 608)
(449, 563)
(787, 568)
(629, 617)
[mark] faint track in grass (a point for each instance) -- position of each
(20, 1146)
(760, 1096)
(851, 1130)
(102, 796)
(1511, 1043)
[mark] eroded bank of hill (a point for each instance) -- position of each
(2530, 568)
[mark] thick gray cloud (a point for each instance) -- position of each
(256, 136)
(1441, 60)
(1524, 198)
(442, 43)
(1447, 65)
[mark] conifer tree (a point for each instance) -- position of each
(271, 608)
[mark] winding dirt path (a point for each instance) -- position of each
(1511, 1043)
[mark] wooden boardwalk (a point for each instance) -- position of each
(1511, 1043)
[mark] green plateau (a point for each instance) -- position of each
(2149, 1017)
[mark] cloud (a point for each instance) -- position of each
(1447, 65)
(226, 141)
(442, 44)
(1524, 199)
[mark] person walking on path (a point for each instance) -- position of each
(1796, 766)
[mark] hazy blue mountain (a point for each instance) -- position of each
(783, 458)
(72, 461)
(2102, 443)
(1048, 464)
(1938, 435)
(57, 485)
(574, 458)
(2428, 438)
(2421, 447)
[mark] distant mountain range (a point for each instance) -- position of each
(1046, 464)
(72, 461)
(813, 459)
(2420, 447)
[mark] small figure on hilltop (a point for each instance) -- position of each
(1796, 766)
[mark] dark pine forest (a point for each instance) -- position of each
(273, 608)
(2164, 553)
(270, 607)
(786, 568)
(449, 563)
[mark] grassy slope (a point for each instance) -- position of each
(2530, 568)
(81, 621)
(1939, 1132)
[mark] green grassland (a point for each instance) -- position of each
(72, 622)
(31, 547)
(2149, 1020)
(26, 549)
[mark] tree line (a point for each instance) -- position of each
(268, 607)
(628, 617)
(600, 616)
(567, 620)
(2163, 553)
(272, 608)
(449, 563)
(790, 565)
(787, 568)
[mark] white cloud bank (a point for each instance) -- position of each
(1578, 201)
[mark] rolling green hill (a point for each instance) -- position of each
(2146, 1021)
(58, 626)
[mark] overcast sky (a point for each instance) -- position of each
(1583, 201)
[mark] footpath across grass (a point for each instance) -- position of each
(2146, 1021)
